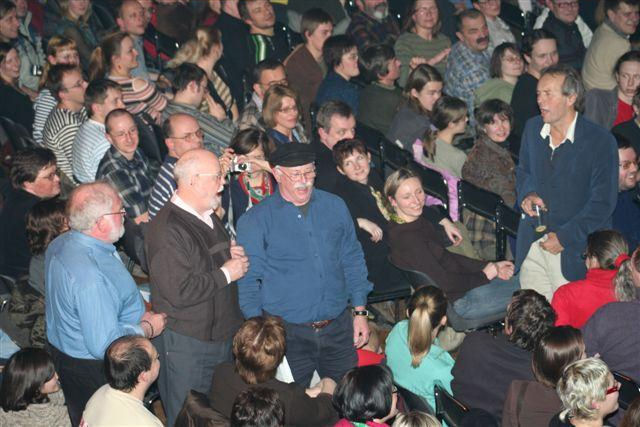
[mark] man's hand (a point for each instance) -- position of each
(505, 269)
(552, 244)
(452, 231)
(237, 267)
(529, 202)
(236, 250)
(490, 270)
(360, 330)
(142, 218)
(157, 321)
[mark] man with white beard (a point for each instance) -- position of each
(193, 266)
(372, 24)
(91, 297)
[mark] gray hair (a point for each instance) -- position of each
(330, 109)
(185, 168)
(582, 383)
(572, 84)
(88, 203)
(623, 284)
(416, 419)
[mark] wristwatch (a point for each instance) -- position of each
(360, 313)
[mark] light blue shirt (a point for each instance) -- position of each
(140, 71)
(91, 297)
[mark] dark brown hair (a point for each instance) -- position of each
(559, 347)
(345, 148)
(258, 347)
(46, 220)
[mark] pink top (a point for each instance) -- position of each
(345, 423)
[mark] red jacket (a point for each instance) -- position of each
(575, 302)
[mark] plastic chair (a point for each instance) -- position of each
(449, 409)
(414, 402)
(629, 390)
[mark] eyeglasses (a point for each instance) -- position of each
(394, 389)
(120, 212)
(584, 255)
(131, 132)
(566, 4)
(77, 85)
(488, 1)
(298, 176)
(614, 388)
(625, 165)
(191, 136)
(214, 175)
(287, 110)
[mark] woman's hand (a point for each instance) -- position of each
(370, 227)
(225, 161)
(452, 231)
(256, 165)
(215, 109)
(490, 270)
(441, 56)
(505, 269)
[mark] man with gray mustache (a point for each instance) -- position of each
(306, 266)
(372, 24)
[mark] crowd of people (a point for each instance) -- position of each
(193, 208)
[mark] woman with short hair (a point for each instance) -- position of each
(507, 64)
(281, 114)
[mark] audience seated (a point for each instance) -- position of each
(16, 103)
(91, 298)
(534, 403)
(631, 128)
(610, 107)
(131, 366)
(66, 84)
(505, 68)
(30, 393)
(575, 302)
(281, 114)
(115, 59)
(266, 73)
(366, 395)
(335, 9)
(468, 61)
(28, 43)
(413, 350)
(379, 100)
(413, 119)
(573, 36)
(305, 66)
(632, 415)
(372, 24)
(421, 41)
(131, 20)
(475, 288)
(610, 41)
(626, 216)
(101, 97)
(258, 407)
(252, 184)
(588, 392)
(197, 411)
(486, 365)
(189, 87)
(125, 167)
(182, 133)
(340, 54)
(33, 177)
(204, 51)
(259, 348)
(499, 31)
(415, 419)
(371, 353)
(60, 50)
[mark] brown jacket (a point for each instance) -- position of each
(530, 404)
(184, 257)
(304, 75)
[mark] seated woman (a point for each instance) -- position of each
(366, 396)
(258, 406)
(534, 403)
(449, 119)
(205, 50)
(575, 302)
(197, 411)
(506, 66)
(490, 166)
(422, 90)
(258, 349)
(15, 104)
(588, 393)
(248, 186)
(30, 394)
(115, 59)
(477, 289)
(281, 115)
(413, 351)
(60, 50)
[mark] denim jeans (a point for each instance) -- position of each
(487, 300)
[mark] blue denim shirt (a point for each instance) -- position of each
(303, 268)
(91, 297)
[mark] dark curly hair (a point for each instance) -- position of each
(529, 317)
(46, 220)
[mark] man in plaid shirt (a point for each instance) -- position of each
(372, 24)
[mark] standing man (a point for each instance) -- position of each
(372, 24)
(568, 168)
(626, 216)
(306, 267)
(468, 62)
(193, 268)
(131, 20)
(91, 297)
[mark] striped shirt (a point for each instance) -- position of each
(59, 133)
(164, 187)
(146, 98)
(44, 105)
(88, 149)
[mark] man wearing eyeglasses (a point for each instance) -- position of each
(306, 266)
(572, 35)
(190, 88)
(193, 266)
(626, 216)
(124, 166)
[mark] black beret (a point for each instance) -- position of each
(292, 154)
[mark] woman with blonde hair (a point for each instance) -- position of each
(115, 59)
(627, 280)
(205, 50)
(281, 115)
(415, 419)
(588, 392)
(413, 350)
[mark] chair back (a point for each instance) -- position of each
(477, 200)
(629, 390)
(6, 287)
(433, 183)
(372, 140)
(394, 156)
(448, 409)
(151, 141)
(18, 136)
(414, 402)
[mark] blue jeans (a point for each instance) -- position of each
(487, 300)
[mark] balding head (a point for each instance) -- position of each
(131, 18)
(89, 205)
(199, 179)
(182, 133)
(129, 363)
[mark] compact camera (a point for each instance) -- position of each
(36, 70)
(239, 167)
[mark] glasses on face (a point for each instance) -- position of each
(215, 176)
(488, 1)
(394, 389)
(78, 84)
(131, 132)
(566, 4)
(628, 164)
(614, 388)
(51, 176)
(191, 136)
(299, 176)
(287, 110)
(120, 212)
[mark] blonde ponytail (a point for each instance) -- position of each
(427, 307)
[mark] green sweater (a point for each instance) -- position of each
(494, 88)
(410, 45)
(378, 106)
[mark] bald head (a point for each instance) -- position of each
(199, 180)
(88, 203)
(131, 18)
(183, 134)
(195, 162)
